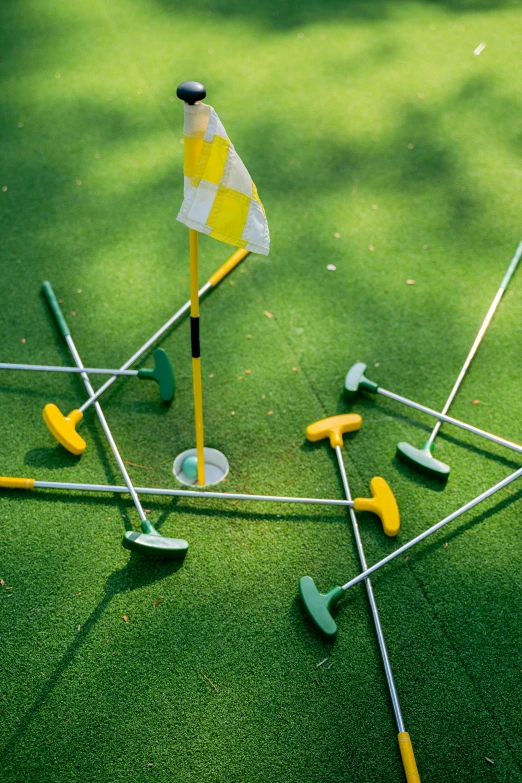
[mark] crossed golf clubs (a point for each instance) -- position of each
(382, 501)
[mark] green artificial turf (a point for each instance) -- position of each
(380, 143)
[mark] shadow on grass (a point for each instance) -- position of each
(136, 574)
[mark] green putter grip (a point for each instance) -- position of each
(55, 308)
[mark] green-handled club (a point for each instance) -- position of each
(149, 541)
(162, 373)
(422, 459)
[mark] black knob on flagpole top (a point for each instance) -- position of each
(190, 92)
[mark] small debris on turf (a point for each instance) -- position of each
(374, 206)
(411, 146)
(425, 247)
(319, 683)
(156, 603)
(24, 340)
(125, 618)
(337, 235)
(295, 369)
(211, 375)
(248, 372)
(371, 247)
(329, 667)
(249, 336)
(232, 413)
(490, 761)
(209, 681)
(475, 402)
(270, 413)
(268, 315)
(77, 595)
(2, 583)
(321, 663)
(407, 557)
(331, 267)
(137, 465)
(410, 281)
(149, 765)
(446, 545)
(73, 312)
(480, 48)
(240, 378)
(4, 189)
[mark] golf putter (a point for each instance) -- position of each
(162, 373)
(316, 606)
(149, 541)
(422, 459)
(381, 501)
(65, 426)
(319, 604)
(356, 381)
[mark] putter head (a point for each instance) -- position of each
(155, 545)
(423, 460)
(356, 378)
(383, 504)
(63, 428)
(334, 427)
(162, 373)
(318, 604)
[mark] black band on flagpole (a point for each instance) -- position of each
(194, 337)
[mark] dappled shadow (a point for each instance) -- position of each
(281, 17)
(137, 573)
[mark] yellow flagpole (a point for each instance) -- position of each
(191, 150)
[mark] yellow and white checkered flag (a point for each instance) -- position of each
(220, 198)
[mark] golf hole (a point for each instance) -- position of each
(216, 467)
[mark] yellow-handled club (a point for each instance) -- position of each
(316, 604)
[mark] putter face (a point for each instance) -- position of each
(318, 604)
(150, 545)
(383, 504)
(164, 375)
(353, 379)
(423, 461)
(63, 428)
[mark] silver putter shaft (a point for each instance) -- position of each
(52, 368)
(29, 483)
(478, 339)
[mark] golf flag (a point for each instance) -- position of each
(220, 198)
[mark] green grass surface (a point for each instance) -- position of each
(362, 124)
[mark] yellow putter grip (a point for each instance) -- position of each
(408, 758)
(16, 483)
(228, 266)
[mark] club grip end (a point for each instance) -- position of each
(55, 308)
(228, 266)
(8, 482)
(408, 758)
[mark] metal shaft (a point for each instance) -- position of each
(472, 503)
(145, 523)
(52, 368)
(189, 493)
(442, 417)
(371, 598)
(487, 320)
(94, 396)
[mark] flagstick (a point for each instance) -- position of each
(191, 150)
(196, 358)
